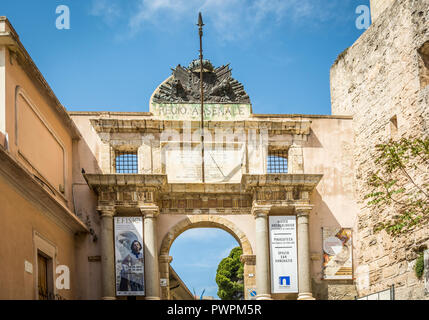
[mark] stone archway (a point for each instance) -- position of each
(206, 221)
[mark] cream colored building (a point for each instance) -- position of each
(64, 176)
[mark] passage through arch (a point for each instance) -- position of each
(206, 221)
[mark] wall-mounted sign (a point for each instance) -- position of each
(337, 254)
(129, 256)
(284, 267)
(212, 111)
(163, 282)
(28, 267)
(251, 294)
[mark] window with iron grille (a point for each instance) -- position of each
(277, 161)
(126, 162)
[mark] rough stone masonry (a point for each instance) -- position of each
(380, 79)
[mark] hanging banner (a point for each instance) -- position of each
(284, 268)
(337, 254)
(129, 256)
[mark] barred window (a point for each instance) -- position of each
(277, 161)
(126, 162)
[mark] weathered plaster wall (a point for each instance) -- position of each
(44, 145)
(376, 79)
(334, 198)
(19, 220)
(2, 89)
(378, 6)
(46, 142)
(329, 150)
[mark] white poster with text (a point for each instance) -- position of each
(284, 267)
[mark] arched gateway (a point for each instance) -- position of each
(253, 184)
(205, 221)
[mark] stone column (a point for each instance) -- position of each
(304, 270)
(164, 271)
(150, 214)
(108, 282)
(249, 274)
(263, 279)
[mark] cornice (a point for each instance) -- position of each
(126, 181)
(11, 40)
(24, 182)
(109, 125)
(260, 181)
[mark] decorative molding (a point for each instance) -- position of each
(153, 125)
(149, 211)
(19, 91)
(106, 211)
(205, 221)
(32, 190)
(248, 259)
(261, 210)
(50, 250)
(165, 258)
(303, 210)
(265, 191)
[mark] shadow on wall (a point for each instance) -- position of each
(322, 217)
(85, 203)
(313, 141)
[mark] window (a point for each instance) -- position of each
(277, 161)
(126, 162)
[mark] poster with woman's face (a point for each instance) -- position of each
(129, 256)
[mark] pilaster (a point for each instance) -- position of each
(150, 213)
(107, 253)
(304, 270)
(263, 290)
(164, 268)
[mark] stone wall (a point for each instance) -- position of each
(378, 7)
(381, 80)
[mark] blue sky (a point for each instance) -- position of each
(118, 51)
(197, 253)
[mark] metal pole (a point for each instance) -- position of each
(201, 24)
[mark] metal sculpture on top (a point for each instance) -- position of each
(184, 85)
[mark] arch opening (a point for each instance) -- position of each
(198, 227)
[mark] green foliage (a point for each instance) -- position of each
(395, 183)
(419, 268)
(229, 276)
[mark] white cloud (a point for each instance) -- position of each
(231, 19)
(108, 10)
